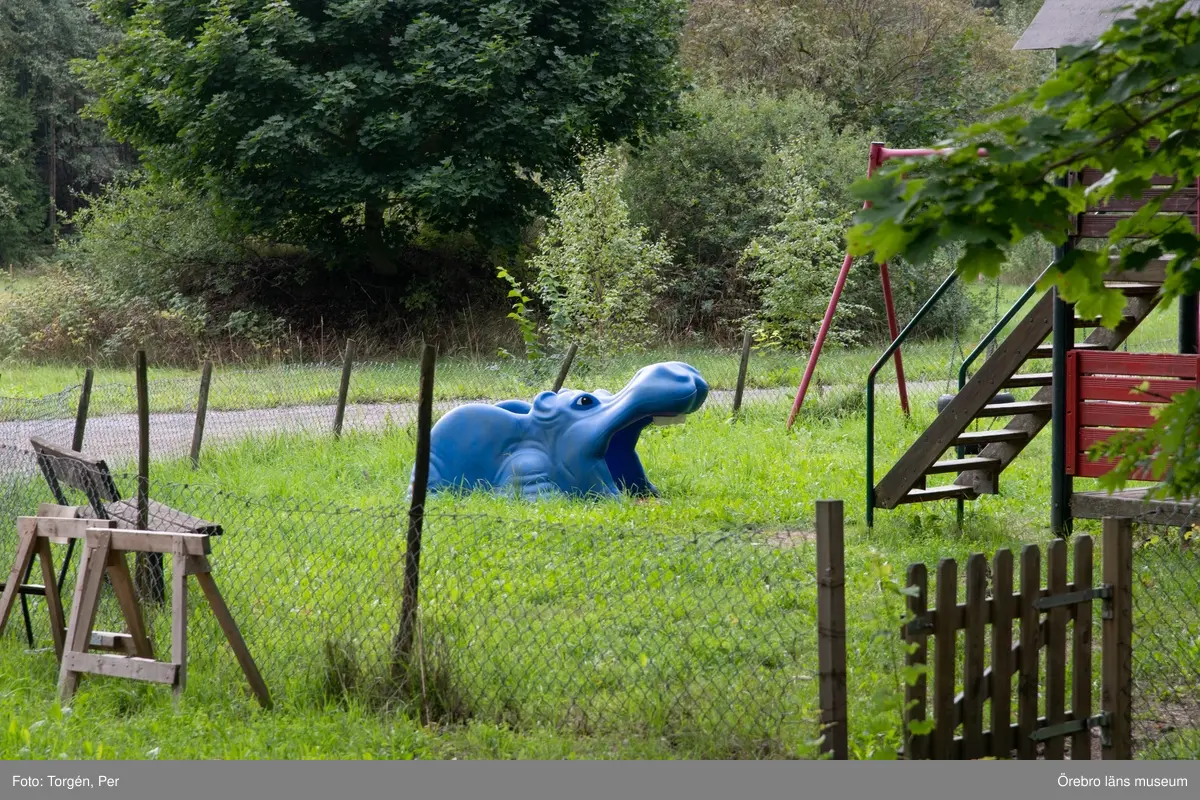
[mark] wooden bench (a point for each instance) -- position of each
(1105, 397)
(92, 477)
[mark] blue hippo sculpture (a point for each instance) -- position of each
(578, 443)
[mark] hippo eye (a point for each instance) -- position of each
(585, 401)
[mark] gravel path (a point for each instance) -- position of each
(115, 436)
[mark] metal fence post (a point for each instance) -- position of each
(344, 390)
(831, 627)
(81, 413)
(201, 413)
(402, 647)
(1116, 694)
(566, 367)
(747, 340)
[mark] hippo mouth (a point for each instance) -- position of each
(678, 392)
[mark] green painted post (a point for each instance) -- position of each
(1189, 324)
(1061, 483)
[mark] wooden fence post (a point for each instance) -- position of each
(747, 340)
(831, 627)
(1117, 668)
(402, 647)
(916, 745)
(201, 413)
(343, 390)
(149, 566)
(81, 413)
(566, 367)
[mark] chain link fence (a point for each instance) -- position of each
(1166, 635)
(707, 642)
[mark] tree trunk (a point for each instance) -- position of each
(52, 170)
(377, 252)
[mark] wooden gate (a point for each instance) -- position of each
(1038, 634)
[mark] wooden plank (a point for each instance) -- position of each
(116, 642)
(975, 636)
(60, 530)
(1090, 175)
(1174, 201)
(1002, 655)
(1088, 468)
(58, 512)
(960, 412)
(1056, 648)
(194, 544)
(991, 437)
(234, 637)
(945, 660)
(916, 745)
(140, 669)
(1129, 389)
(1138, 309)
(1072, 412)
(131, 610)
(54, 607)
(1012, 409)
(1101, 414)
(1168, 513)
(1145, 365)
(831, 628)
(1153, 272)
(89, 475)
(1027, 680)
(1031, 379)
(83, 608)
(26, 548)
(1117, 650)
(179, 616)
(1081, 651)
(949, 492)
(1099, 226)
(959, 464)
(162, 518)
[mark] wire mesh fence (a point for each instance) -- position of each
(705, 641)
(1166, 636)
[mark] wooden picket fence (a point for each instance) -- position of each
(1052, 627)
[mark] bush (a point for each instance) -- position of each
(69, 317)
(712, 187)
(153, 240)
(794, 266)
(597, 273)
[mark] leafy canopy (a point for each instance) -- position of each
(334, 120)
(1127, 106)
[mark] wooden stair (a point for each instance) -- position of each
(905, 482)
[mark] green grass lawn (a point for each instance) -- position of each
(626, 628)
(616, 608)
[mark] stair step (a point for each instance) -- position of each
(963, 465)
(950, 492)
(1131, 289)
(990, 437)
(1029, 379)
(1094, 322)
(1047, 350)
(1012, 409)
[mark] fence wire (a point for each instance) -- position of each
(1166, 636)
(706, 642)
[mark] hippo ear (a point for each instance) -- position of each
(544, 403)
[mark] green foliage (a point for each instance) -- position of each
(20, 211)
(522, 315)
(345, 124)
(911, 67)
(597, 273)
(794, 267)
(69, 317)
(713, 187)
(1101, 109)
(150, 239)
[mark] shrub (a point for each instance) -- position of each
(154, 240)
(712, 187)
(597, 273)
(69, 317)
(795, 263)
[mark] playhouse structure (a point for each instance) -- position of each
(1086, 393)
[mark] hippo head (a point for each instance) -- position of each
(597, 432)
